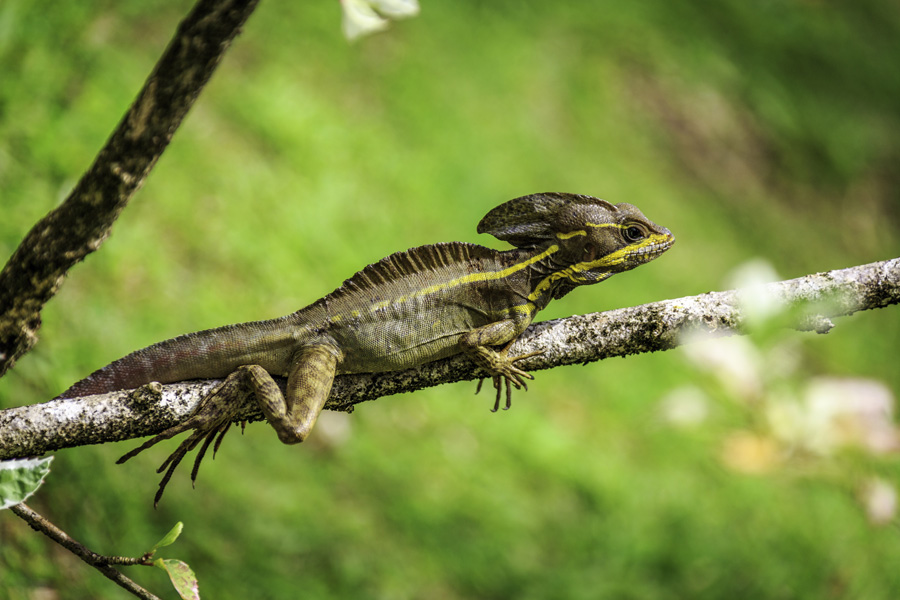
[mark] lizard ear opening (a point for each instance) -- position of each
(532, 221)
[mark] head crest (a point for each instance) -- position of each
(530, 221)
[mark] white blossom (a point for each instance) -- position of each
(758, 304)
(735, 362)
(879, 498)
(851, 412)
(685, 407)
(836, 413)
(396, 9)
(364, 17)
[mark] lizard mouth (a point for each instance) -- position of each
(659, 244)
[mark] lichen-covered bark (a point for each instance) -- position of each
(34, 430)
(81, 223)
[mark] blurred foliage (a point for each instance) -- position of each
(750, 129)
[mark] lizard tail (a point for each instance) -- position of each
(208, 354)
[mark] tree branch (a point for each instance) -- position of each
(37, 429)
(99, 562)
(81, 223)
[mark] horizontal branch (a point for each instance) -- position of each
(37, 429)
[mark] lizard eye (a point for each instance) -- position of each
(632, 234)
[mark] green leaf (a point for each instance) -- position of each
(183, 578)
(169, 538)
(20, 478)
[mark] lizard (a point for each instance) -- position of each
(406, 310)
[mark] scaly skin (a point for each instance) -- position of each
(406, 310)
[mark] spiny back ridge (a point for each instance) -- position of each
(414, 261)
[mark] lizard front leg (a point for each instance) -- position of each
(501, 366)
(292, 416)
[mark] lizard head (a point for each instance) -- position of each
(594, 238)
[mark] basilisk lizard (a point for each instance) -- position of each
(408, 309)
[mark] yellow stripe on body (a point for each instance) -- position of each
(572, 273)
(465, 279)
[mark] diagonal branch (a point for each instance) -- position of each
(80, 224)
(40, 428)
(99, 562)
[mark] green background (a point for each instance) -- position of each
(763, 129)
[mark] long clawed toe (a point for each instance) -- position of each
(207, 425)
(165, 435)
(508, 376)
(498, 385)
(212, 436)
(215, 434)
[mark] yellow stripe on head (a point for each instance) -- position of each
(654, 240)
(608, 225)
(571, 234)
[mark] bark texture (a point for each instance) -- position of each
(816, 299)
(84, 220)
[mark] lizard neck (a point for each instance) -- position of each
(547, 274)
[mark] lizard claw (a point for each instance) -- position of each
(209, 422)
(507, 375)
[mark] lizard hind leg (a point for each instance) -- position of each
(309, 384)
(210, 420)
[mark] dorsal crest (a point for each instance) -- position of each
(417, 261)
(534, 220)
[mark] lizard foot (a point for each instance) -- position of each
(508, 374)
(209, 422)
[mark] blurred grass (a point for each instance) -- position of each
(765, 129)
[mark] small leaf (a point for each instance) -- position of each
(169, 538)
(183, 578)
(20, 478)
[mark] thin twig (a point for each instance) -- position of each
(98, 561)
